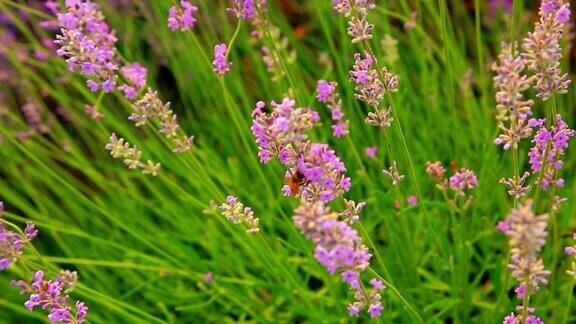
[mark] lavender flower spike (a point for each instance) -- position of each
(545, 157)
(542, 51)
(238, 214)
(327, 94)
(246, 9)
(511, 105)
(182, 17)
(371, 86)
(88, 44)
(12, 243)
(221, 64)
(131, 155)
(527, 233)
(340, 250)
(49, 294)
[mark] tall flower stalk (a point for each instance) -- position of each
(527, 234)
(375, 86)
(540, 56)
(317, 175)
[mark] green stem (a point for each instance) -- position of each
(399, 295)
(233, 39)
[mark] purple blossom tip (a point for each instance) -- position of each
(221, 65)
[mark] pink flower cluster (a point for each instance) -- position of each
(542, 51)
(463, 179)
(527, 233)
(246, 9)
(11, 243)
(327, 94)
(357, 11)
(347, 7)
(372, 84)
(50, 294)
(516, 319)
(276, 132)
(182, 17)
(88, 44)
(549, 146)
(511, 105)
(135, 76)
(340, 250)
(282, 134)
(235, 212)
(221, 64)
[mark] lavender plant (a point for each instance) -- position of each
(365, 93)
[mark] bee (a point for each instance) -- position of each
(454, 166)
(296, 180)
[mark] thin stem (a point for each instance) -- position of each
(399, 295)
(515, 166)
(526, 299)
(233, 39)
(296, 285)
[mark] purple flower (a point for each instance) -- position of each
(31, 232)
(327, 94)
(542, 52)
(351, 277)
(503, 226)
(436, 170)
(182, 17)
(370, 87)
(412, 200)
(377, 284)
(510, 319)
(359, 29)
(527, 236)
(325, 90)
(12, 243)
(221, 65)
(371, 151)
(527, 233)
(463, 179)
(354, 309)
(277, 131)
(246, 9)
(59, 314)
(49, 294)
(345, 7)
(88, 44)
(208, 277)
(235, 212)
(520, 291)
(52, 6)
(341, 250)
(547, 7)
(511, 106)
(563, 14)
(532, 319)
(81, 311)
(340, 129)
(135, 75)
(108, 85)
(545, 156)
(375, 309)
